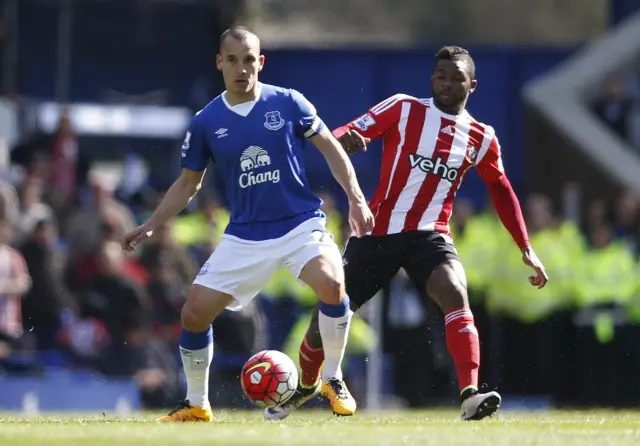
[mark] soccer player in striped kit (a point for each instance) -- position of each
(429, 145)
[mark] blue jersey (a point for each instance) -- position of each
(256, 148)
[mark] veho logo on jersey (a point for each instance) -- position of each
(436, 167)
(253, 158)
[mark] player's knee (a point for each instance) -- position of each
(448, 288)
(330, 289)
(192, 319)
(202, 307)
(452, 296)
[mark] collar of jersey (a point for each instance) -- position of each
(245, 107)
(434, 107)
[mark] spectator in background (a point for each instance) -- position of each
(162, 250)
(596, 216)
(626, 219)
(150, 362)
(43, 305)
(14, 283)
(64, 159)
(8, 202)
(31, 209)
(87, 266)
(111, 290)
(84, 225)
(614, 108)
(539, 213)
(167, 296)
(171, 270)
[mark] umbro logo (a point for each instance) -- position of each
(449, 130)
(222, 133)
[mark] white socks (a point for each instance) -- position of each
(196, 350)
(334, 330)
(196, 368)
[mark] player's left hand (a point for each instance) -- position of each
(531, 259)
(360, 218)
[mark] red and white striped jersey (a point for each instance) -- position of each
(426, 154)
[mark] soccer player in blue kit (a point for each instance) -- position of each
(255, 133)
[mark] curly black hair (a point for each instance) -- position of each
(453, 52)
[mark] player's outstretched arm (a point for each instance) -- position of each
(509, 211)
(175, 200)
(360, 217)
(506, 203)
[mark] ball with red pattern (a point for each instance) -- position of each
(269, 378)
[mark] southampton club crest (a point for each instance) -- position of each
(273, 120)
(472, 153)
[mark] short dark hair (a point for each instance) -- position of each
(453, 52)
(237, 32)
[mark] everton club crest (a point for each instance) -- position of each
(273, 120)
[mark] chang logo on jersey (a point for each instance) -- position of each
(436, 167)
(252, 163)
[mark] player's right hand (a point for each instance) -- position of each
(361, 219)
(352, 142)
(135, 237)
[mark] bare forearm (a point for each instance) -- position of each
(175, 200)
(344, 173)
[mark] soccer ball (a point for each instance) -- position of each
(269, 378)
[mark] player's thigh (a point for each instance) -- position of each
(432, 263)
(313, 257)
(369, 265)
(239, 269)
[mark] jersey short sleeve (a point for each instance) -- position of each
(379, 118)
(490, 165)
(195, 148)
(306, 121)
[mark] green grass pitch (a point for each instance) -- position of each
(438, 428)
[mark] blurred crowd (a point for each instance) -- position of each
(618, 105)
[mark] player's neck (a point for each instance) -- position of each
(454, 111)
(240, 98)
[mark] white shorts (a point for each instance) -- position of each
(242, 268)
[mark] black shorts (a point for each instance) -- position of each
(371, 262)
